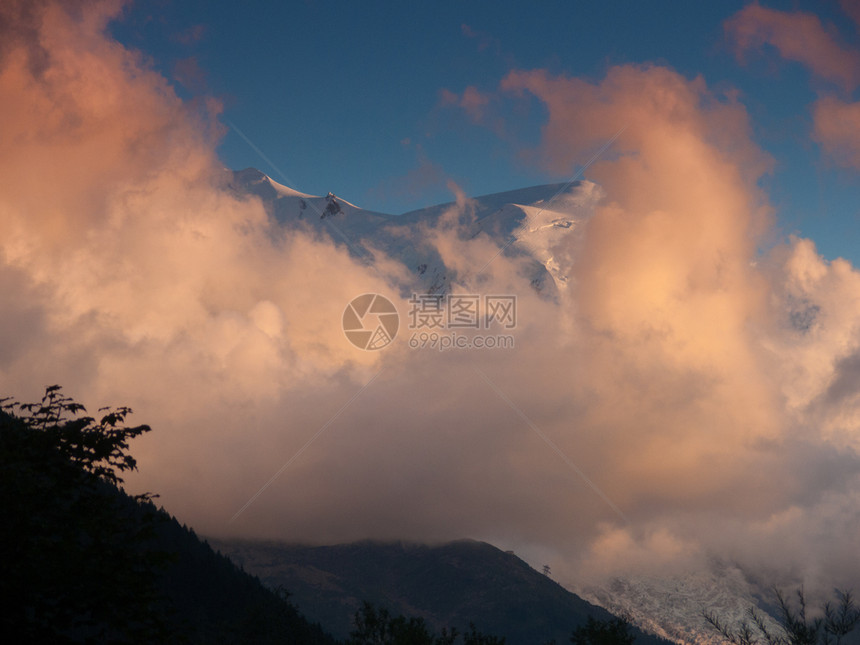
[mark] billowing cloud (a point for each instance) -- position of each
(141, 277)
(693, 372)
(680, 299)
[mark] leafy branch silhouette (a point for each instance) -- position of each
(97, 447)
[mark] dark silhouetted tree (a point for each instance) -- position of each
(613, 631)
(474, 637)
(74, 554)
(376, 626)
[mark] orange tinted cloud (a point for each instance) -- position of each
(687, 327)
(665, 273)
(92, 119)
(140, 274)
(799, 37)
(837, 129)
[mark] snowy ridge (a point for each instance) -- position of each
(671, 606)
(253, 181)
(528, 221)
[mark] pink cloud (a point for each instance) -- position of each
(472, 101)
(187, 71)
(837, 129)
(190, 36)
(665, 273)
(422, 178)
(484, 40)
(89, 118)
(799, 37)
(852, 9)
(447, 97)
(655, 107)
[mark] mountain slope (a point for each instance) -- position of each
(671, 605)
(448, 585)
(83, 562)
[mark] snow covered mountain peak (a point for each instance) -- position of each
(530, 221)
(251, 180)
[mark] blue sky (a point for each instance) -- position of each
(346, 97)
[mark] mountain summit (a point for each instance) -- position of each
(447, 585)
(528, 222)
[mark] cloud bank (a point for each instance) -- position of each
(699, 372)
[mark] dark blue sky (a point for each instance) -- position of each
(347, 96)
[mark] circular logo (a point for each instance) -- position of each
(370, 321)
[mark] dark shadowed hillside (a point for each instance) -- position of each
(448, 585)
(83, 562)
